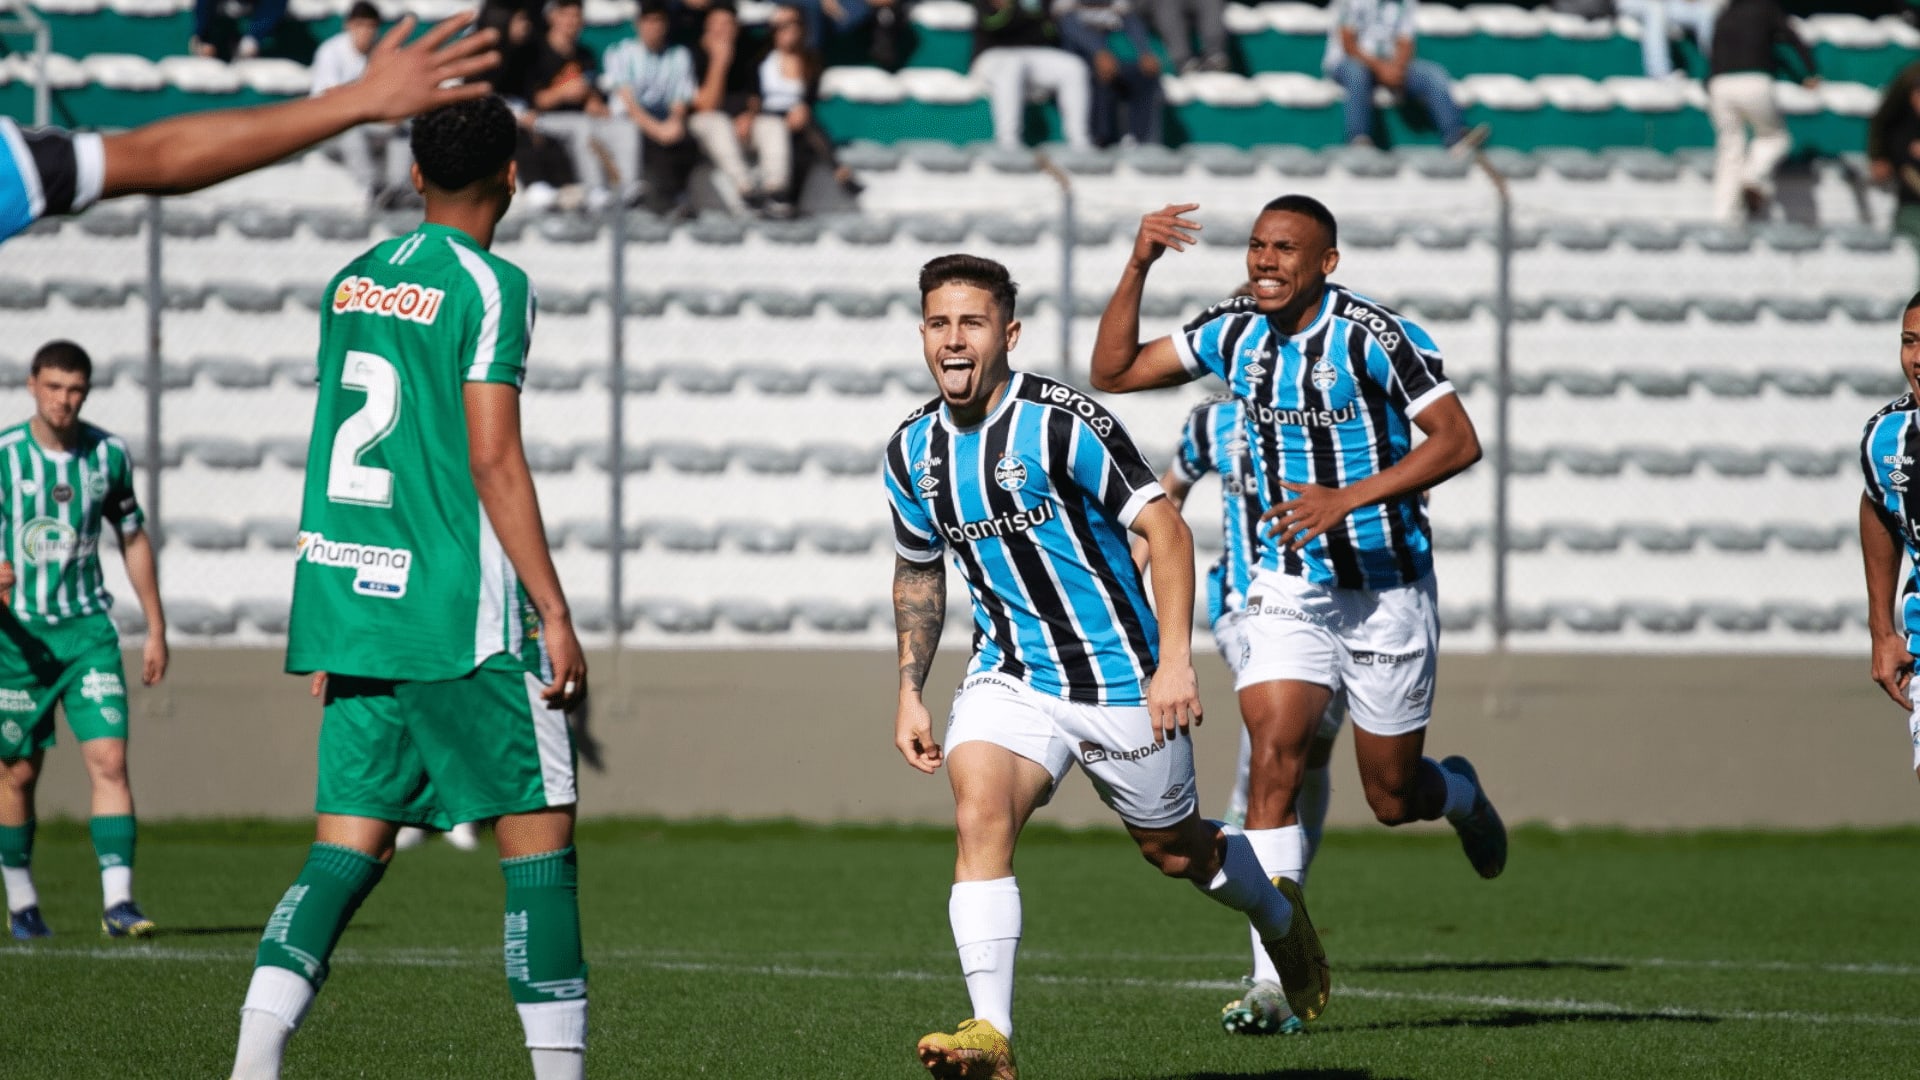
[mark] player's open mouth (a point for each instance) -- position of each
(956, 376)
(1267, 288)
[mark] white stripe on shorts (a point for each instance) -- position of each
(555, 744)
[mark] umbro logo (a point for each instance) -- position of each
(928, 483)
(1255, 369)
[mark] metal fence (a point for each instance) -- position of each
(1669, 411)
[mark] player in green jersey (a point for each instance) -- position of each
(61, 481)
(425, 598)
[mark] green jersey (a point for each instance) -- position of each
(398, 573)
(53, 503)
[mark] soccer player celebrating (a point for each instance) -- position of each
(1890, 525)
(45, 172)
(1342, 597)
(60, 481)
(425, 596)
(1033, 487)
(1214, 440)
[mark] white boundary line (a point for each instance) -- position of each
(657, 961)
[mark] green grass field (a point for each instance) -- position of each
(781, 952)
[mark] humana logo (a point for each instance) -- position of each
(1002, 525)
(320, 551)
(1320, 418)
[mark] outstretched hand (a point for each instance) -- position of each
(1167, 227)
(404, 79)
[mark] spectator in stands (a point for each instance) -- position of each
(652, 84)
(1658, 20)
(789, 89)
(1178, 21)
(567, 106)
(1893, 149)
(1744, 64)
(1016, 48)
(521, 26)
(1371, 44)
(262, 20)
(727, 117)
(1086, 27)
(342, 59)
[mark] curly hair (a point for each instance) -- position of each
(466, 142)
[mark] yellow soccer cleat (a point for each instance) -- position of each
(975, 1052)
(1302, 963)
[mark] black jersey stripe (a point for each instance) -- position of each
(1395, 514)
(1067, 639)
(1061, 430)
(940, 445)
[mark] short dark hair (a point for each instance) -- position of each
(361, 9)
(1310, 207)
(468, 141)
(971, 270)
(63, 356)
(1914, 300)
(556, 5)
(654, 9)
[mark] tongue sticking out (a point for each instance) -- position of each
(956, 378)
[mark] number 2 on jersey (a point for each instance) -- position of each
(348, 481)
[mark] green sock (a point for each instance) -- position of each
(113, 838)
(16, 844)
(543, 928)
(307, 923)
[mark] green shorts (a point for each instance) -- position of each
(74, 663)
(440, 753)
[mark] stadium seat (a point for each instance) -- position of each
(833, 616)
(1805, 462)
(686, 457)
(1459, 618)
(1799, 536)
(1735, 618)
(290, 452)
(280, 534)
(1731, 536)
(1586, 618)
(1724, 383)
(547, 457)
(843, 459)
(1732, 460)
(833, 538)
(754, 616)
(767, 458)
(267, 615)
(1657, 537)
(677, 616)
(1807, 618)
(197, 618)
(1583, 537)
(223, 453)
(597, 535)
(234, 372)
(1587, 460)
(758, 537)
(1659, 617)
(633, 457)
(204, 535)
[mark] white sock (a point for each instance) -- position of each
(1310, 806)
(277, 1000)
(1460, 793)
(116, 884)
(985, 916)
(1244, 887)
(21, 894)
(556, 1038)
(1282, 853)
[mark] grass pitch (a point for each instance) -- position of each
(778, 951)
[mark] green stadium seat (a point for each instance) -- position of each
(1586, 309)
(1873, 382)
(1459, 618)
(855, 303)
(865, 231)
(633, 457)
(204, 535)
(182, 296)
(1528, 619)
(1799, 536)
(1217, 159)
(1009, 160)
(1649, 166)
(938, 157)
(717, 230)
(1527, 461)
(248, 296)
(337, 225)
(1580, 235)
(173, 376)
(936, 228)
(111, 221)
(1453, 538)
(1799, 308)
(1865, 239)
(1366, 162)
(1584, 382)
(799, 231)
(1870, 309)
(1153, 159)
(90, 294)
(1295, 162)
(1435, 163)
(1789, 237)
(257, 222)
(1721, 239)
(1727, 309)
(865, 155)
(1656, 309)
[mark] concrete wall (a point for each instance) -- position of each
(1655, 742)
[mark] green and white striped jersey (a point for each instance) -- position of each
(53, 503)
(399, 574)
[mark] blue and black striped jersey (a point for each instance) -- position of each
(1034, 504)
(45, 172)
(1215, 440)
(1888, 454)
(1330, 405)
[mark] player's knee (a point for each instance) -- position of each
(1167, 857)
(108, 769)
(20, 775)
(1391, 807)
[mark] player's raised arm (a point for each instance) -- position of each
(505, 486)
(1122, 364)
(402, 79)
(1880, 552)
(919, 615)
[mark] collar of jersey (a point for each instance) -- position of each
(434, 228)
(1326, 310)
(1006, 400)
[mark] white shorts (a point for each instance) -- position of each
(1913, 727)
(1230, 637)
(1149, 784)
(1377, 645)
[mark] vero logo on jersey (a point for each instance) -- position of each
(378, 571)
(1079, 403)
(414, 303)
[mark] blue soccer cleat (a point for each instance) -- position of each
(27, 924)
(125, 919)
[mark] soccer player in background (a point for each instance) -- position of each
(1033, 487)
(1342, 596)
(1214, 439)
(426, 600)
(61, 480)
(46, 172)
(1890, 528)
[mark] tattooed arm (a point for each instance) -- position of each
(919, 613)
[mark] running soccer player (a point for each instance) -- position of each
(61, 481)
(1890, 526)
(1214, 440)
(1342, 596)
(425, 597)
(1032, 487)
(46, 172)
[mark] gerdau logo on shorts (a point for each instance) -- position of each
(378, 571)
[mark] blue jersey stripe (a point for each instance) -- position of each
(1889, 450)
(1214, 440)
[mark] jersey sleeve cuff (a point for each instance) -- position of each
(915, 555)
(505, 374)
(1186, 471)
(1184, 349)
(1141, 497)
(90, 170)
(1419, 405)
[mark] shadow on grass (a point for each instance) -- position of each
(249, 929)
(1286, 1074)
(1524, 1018)
(1425, 967)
